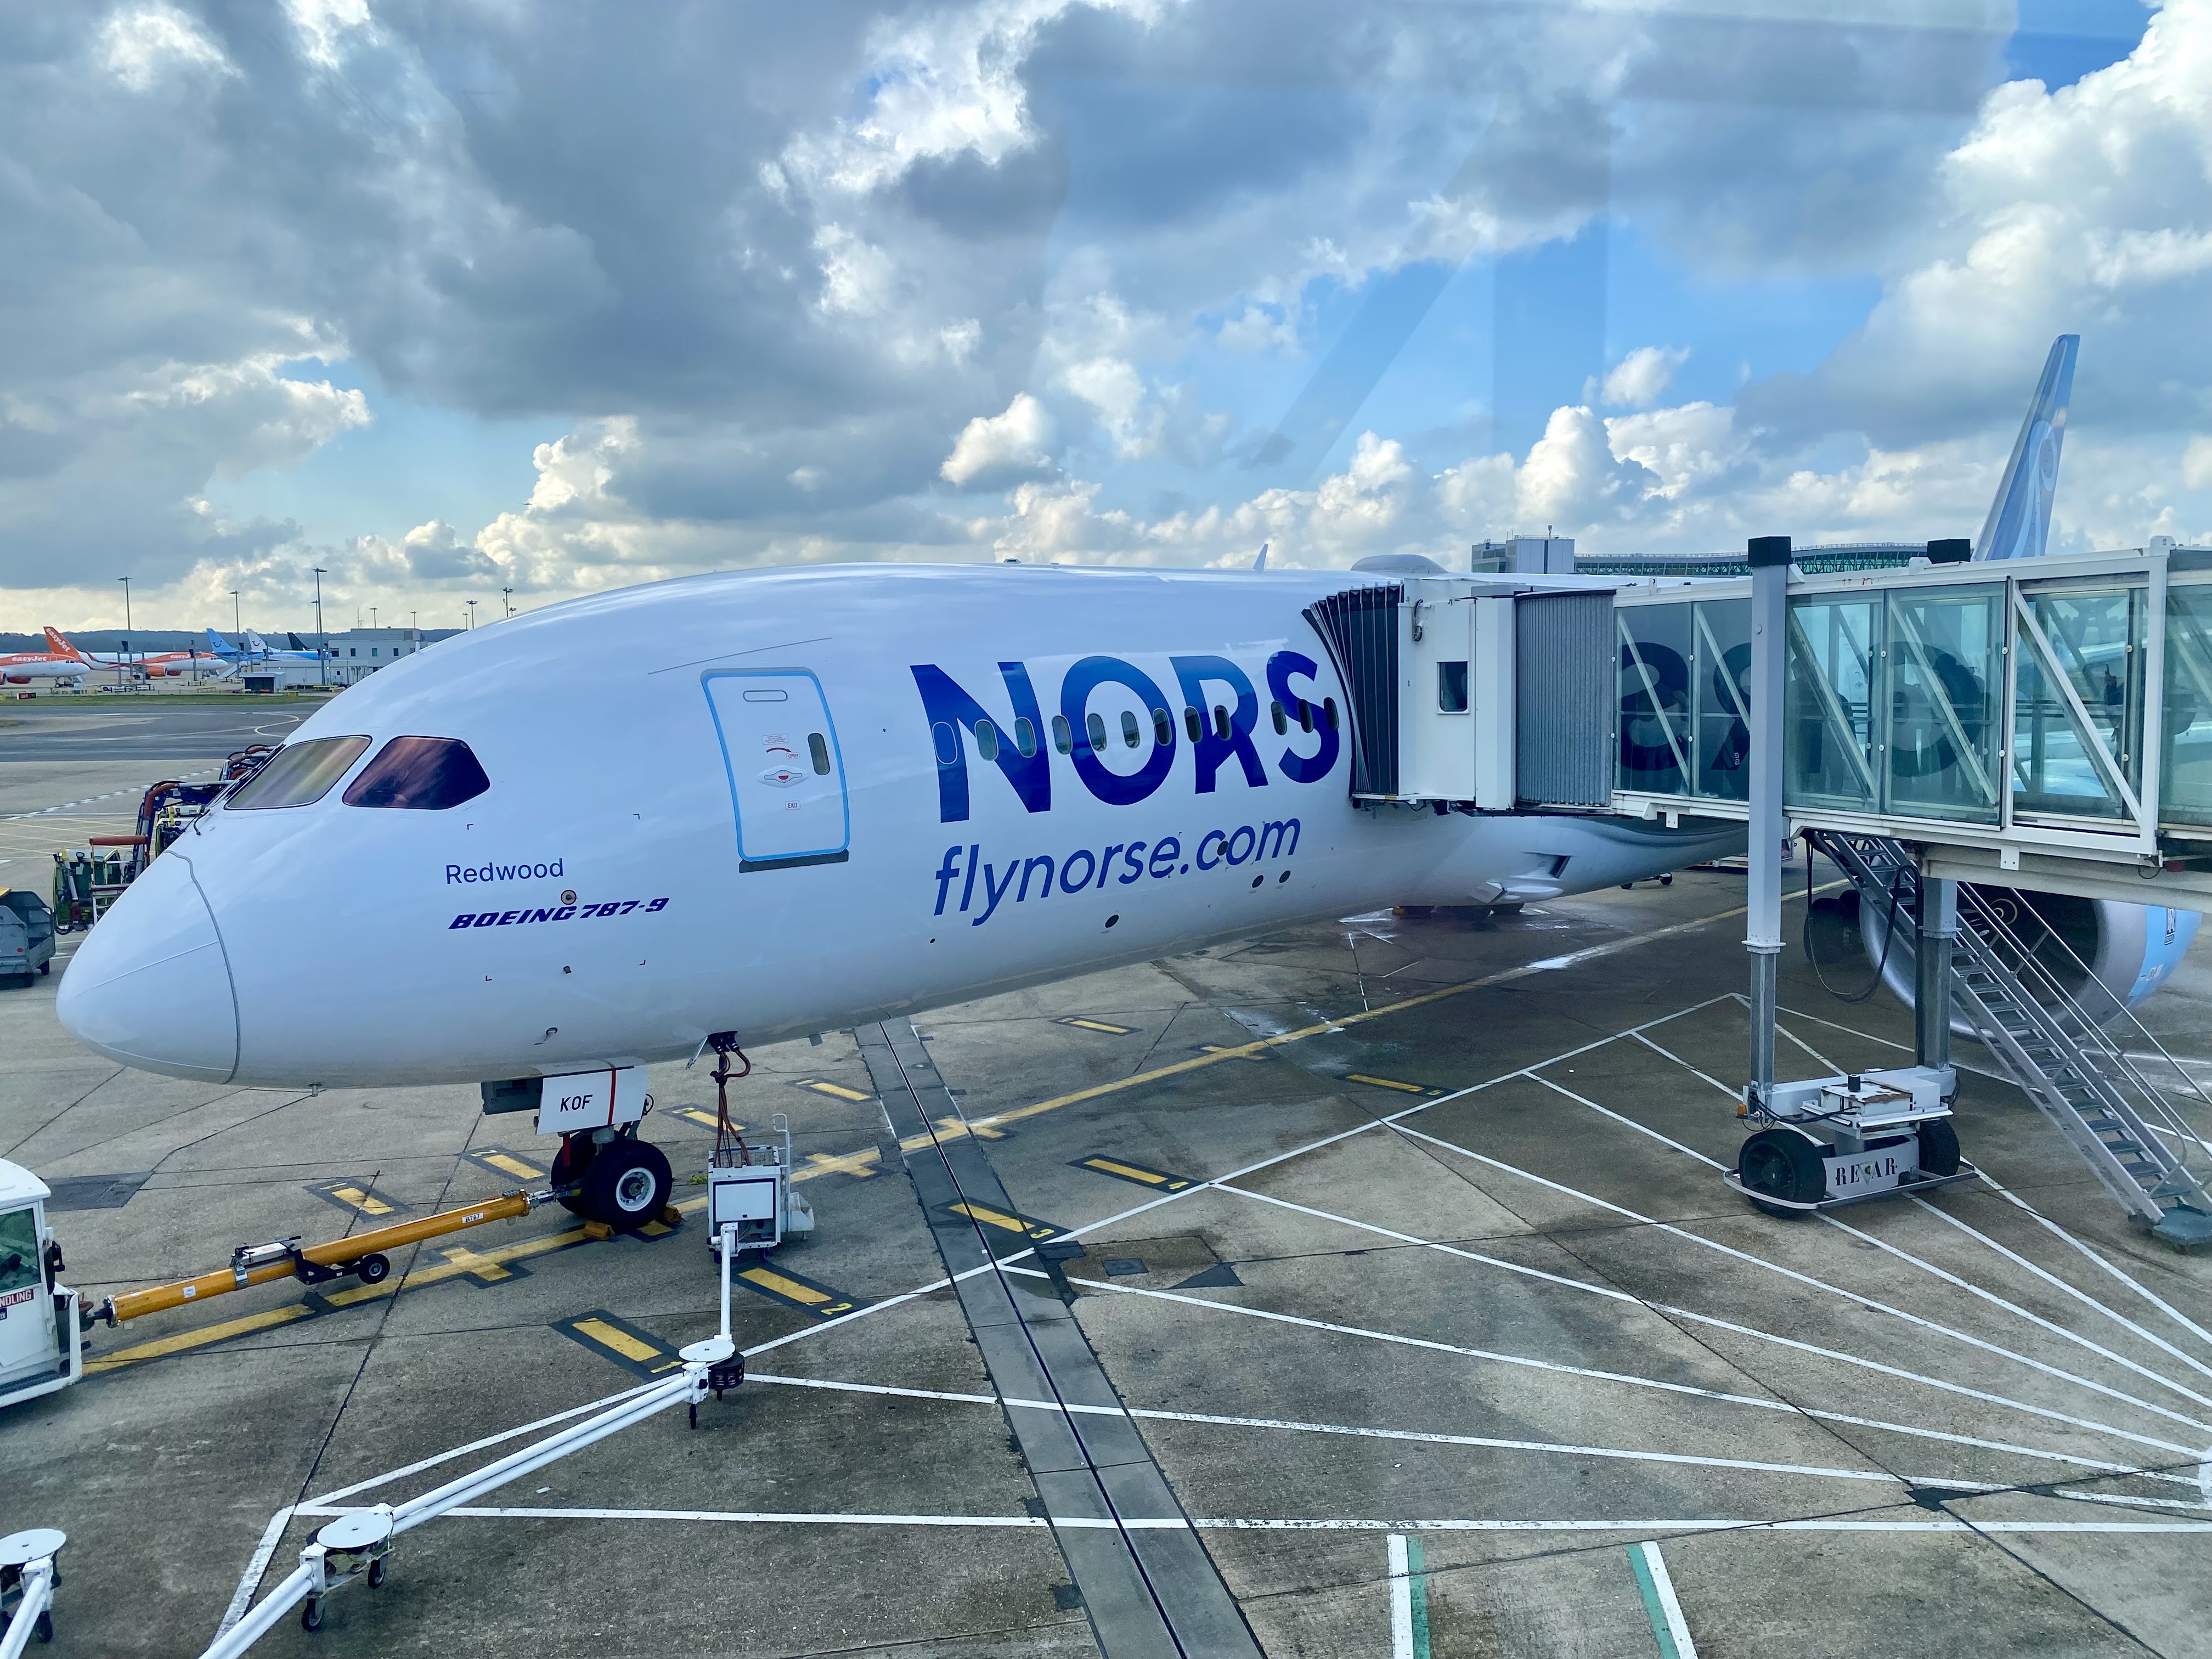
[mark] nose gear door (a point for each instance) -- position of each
(787, 774)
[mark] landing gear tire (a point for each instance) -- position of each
(1939, 1147)
(627, 1184)
(1782, 1163)
(569, 1163)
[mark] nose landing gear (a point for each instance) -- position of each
(623, 1182)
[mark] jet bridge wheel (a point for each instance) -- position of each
(1783, 1163)
(626, 1185)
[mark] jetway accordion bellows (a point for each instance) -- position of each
(1565, 699)
(1359, 626)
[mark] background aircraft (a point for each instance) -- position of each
(153, 665)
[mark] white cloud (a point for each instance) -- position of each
(139, 44)
(1638, 380)
(995, 449)
(2196, 463)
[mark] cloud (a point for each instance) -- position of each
(995, 450)
(1638, 380)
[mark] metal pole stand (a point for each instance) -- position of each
(715, 1361)
(28, 1574)
(1877, 1132)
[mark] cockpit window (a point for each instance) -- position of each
(298, 774)
(421, 775)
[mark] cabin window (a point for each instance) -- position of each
(1062, 738)
(948, 743)
(820, 752)
(1130, 736)
(1328, 712)
(1190, 724)
(1024, 737)
(987, 740)
(1220, 721)
(1162, 728)
(1097, 727)
(420, 774)
(1451, 687)
(1275, 711)
(298, 775)
(1305, 715)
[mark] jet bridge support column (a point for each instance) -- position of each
(1768, 556)
(1936, 923)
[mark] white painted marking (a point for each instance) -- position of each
(1763, 1336)
(1664, 1585)
(1925, 1266)
(1401, 1600)
(417, 1467)
(1803, 1279)
(1419, 1436)
(1332, 1523)
(2052, 1227)
(250, 1580)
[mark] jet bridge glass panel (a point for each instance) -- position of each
(787, 790)
(1944, 663)
(1684, 702)
(2186, 768)
(2078, 703)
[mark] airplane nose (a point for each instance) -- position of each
(150, 985)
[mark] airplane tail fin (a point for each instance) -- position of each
(298, 644)
(2019, 524)
(216, 645)
(1261, 563)
(256, 644)
(58, 643)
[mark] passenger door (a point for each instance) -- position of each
(787, 776)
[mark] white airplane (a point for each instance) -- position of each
(812, 798)
(824, 796)
(22, 667)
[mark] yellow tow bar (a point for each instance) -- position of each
(363, 1256)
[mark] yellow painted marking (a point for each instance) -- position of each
(470, 1262)
(951, 1129)
(769, 1279)
(1005, 1222)
(861, 1164)
(197, 1339)
(1389, 1083)
(621, 1341)
(1127, 1172)
(513, 1166)
(1081, 1023)
(366, 1203)
(444, 1270)
(823, 1086)
(692, 1114)
(1258, 1047)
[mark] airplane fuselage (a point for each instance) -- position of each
(809, 797)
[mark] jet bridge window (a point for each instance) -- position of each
(419, 774)
(1451, 687)
(298, 775)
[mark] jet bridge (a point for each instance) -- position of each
(2040, 724)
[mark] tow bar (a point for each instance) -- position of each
(364, 1256)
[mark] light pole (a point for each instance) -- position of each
(473, 613)
(322, 645)
(125, 670)
(236, 626)
(506, 597)
(371, 616)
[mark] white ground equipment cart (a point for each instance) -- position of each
(749, 1190)
(41, 1343)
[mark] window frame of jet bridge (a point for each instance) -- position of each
(419, 774)
(299, 774)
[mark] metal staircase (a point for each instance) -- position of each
(2059, 1052)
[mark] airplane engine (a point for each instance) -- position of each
(2108, 954)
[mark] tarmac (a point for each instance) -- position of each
(1397, 1247)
